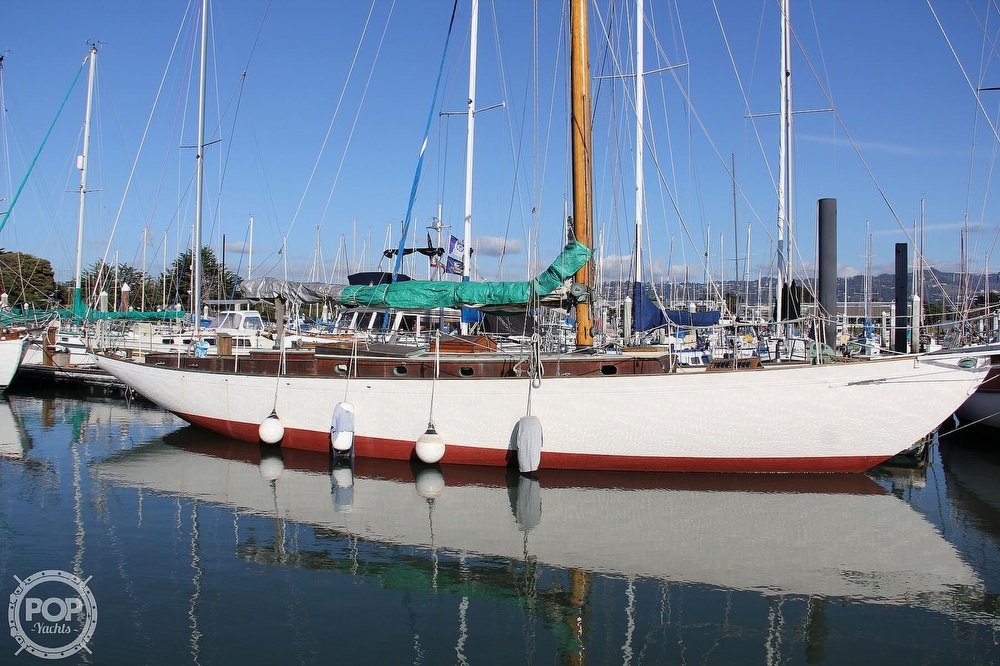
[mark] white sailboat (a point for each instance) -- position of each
(582, 411)
(12, 347)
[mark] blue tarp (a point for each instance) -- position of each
(646, 316)
(695, 319)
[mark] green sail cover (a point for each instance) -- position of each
(421, 294)
(416, 294)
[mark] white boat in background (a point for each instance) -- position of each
(12, 346)
(840, 536)
(983, 406)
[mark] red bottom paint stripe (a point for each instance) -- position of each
(366, 447)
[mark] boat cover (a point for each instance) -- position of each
(417, 294)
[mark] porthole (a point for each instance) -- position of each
(466, 371)
(609, 369)
(399, 371)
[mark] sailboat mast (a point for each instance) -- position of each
(784, 150)
(640, 193)
(868, 274)
(470, 139)
(82, 166)
(200, 175)
(145, 242)
(469, 146)
(580, 136)
(163, 296)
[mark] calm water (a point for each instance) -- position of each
(201, 550)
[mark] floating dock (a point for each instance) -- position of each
(90, 379)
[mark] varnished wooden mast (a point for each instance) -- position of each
(583, 225)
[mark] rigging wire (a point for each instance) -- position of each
(142, 142)
(31, 166)
(336, 112)
(988, 49)
(357, 116)
(423, 148)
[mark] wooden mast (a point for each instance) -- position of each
(580, 138)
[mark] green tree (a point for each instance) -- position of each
(102, 277)
(26, 278)
(934, 312)
(215, 283)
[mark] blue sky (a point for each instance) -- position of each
(315, 147)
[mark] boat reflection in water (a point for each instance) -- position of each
(970, 458)
(472, 530)
(14, 441)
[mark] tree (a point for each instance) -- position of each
(215, 283)
(102, 277)
(26, 278)
(934, 312)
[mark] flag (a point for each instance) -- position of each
(454, 265)
(457, 246)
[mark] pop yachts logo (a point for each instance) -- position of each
(52, 614)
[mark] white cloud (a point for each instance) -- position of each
(496, 246)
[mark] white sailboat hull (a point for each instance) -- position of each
(11, 353)
(839, 417)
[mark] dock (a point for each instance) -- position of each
(90, 379)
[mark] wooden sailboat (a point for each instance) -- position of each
(580, 411)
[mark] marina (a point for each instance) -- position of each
(535, 440)
(196, 546)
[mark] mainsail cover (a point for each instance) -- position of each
(417, 294)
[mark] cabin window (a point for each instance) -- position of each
(168, 341)
(609, 369)
(399, 371)
(224, 320)
(466, 371)
(340, 369)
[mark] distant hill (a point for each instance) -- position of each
(936, 285)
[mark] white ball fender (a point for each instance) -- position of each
(430, 446)
(271, 431)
